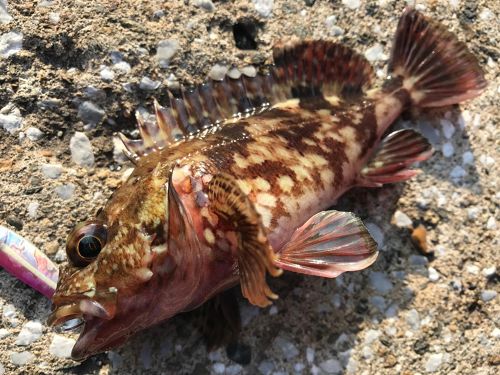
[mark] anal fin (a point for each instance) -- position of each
(397, 152)
(328, 244)
(254, 253)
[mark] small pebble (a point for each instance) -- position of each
(448, 150)
(90, 113)
(65, 191)
(233, 370)
(448, 128)
(208, 5)
(458, 173)
(488, 295)
(52, 170)
(467, 158)
(331, 27)
(10, 118)
(33, 209)
(61, 346)
(107, 74)
(331, 366)
(473, 213)
(495, 333)
(402, 220)
(434, 362)
(81, 150)
(54, 18)
(378, 301)
(14, 221)
(219, 368)
(10, 43)
(288, 348)
(248, 313)
(472, 269)
(489, 271)
(310, 353)
(367, 352)
(264, 7)
(375, 53)
(418, 260)
(148, 84)
(371, 335)
(22, 358)
(486, 160)
(419, 238)
(165, 51)
(33, 134)
(218, 72)
(273, 310)
(299, 367)
(491, 224)
(4, 333)
(265, 367)
(5, 17)
(352, 4)
(30, 332)
(433, 274)
(380, 282)
(122, 67)
(376, 233)
(413, 319)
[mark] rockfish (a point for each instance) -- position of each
(234, 180)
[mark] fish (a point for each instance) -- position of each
(234, 181)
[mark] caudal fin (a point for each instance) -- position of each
(435, 67)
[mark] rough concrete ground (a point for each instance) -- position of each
(407, 314)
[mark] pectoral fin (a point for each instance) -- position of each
(328, 244)
(254, 253)
(397, 152)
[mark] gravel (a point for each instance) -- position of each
(264, 7)
(89, 112)
(331, 366)
(81, 150)
(21, 358)
(10, 43)
(52, 170)
(61, 346)
(30, 332)
(165, 50)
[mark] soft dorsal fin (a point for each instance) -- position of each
(308, 69)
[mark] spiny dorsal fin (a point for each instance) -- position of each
(317, 67)
(303, 70)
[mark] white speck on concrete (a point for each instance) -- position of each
(65, 191)
(22, 358)
(264, 7)
(413, 319)
(52, 170)
(433, 274)
(352, 4)
(33, 134)
(488, 295)
(61, 346)
(457, 173)
(472, 269)
(218, 72)
(30, 332)
(273, 310)
(467, 158)
(375, 53)
(148, 84)
(33, 209)
(122, 67)
(448, 128)
(491, 224)
(448, 150)
(310, 353)
(486, 160)
(10, 118)
(434, 362)
(331, 366)
(165, 51)
(380, 282)
(473, 212)
(495, 333)
(5, 17)
(81, 150)
(367, 352)
(10, 43)
(376, 233)
(486, 14)
(454, 3)
(90, 113)
(402, 220)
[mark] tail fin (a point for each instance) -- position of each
(435, 68)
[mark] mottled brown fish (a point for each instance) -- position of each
(234, 179)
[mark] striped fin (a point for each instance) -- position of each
(307, 69)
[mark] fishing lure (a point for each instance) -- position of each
(234, 180)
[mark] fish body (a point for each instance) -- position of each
(233, 182)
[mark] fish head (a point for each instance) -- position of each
(123, 273)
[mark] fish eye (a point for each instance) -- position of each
(86, 242)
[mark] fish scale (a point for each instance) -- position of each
(233, 181)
